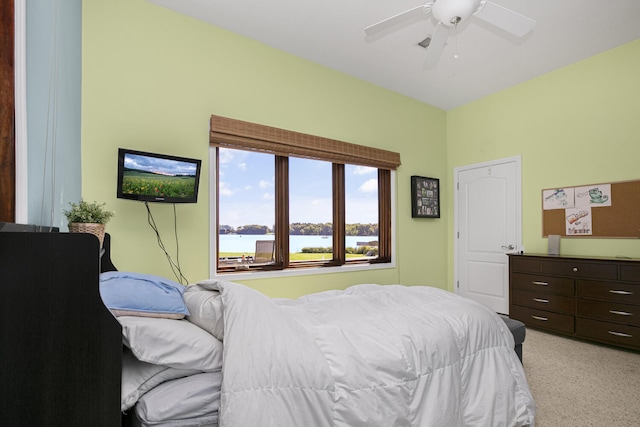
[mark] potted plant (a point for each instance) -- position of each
(85, 217)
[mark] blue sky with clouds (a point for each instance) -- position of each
(247, 190)
(159, 165)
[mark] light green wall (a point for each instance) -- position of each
(151, 80)
(578, 125)
(152, 77)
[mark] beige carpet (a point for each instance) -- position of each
(575, 383)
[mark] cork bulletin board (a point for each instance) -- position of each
(610, 210)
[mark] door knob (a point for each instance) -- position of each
(510, 247)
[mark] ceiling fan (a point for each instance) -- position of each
(448, 14)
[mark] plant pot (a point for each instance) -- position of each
(84, 227)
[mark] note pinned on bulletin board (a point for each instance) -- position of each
(597, 210)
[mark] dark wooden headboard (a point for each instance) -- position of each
(60, 347)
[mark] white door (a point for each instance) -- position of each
(487, 216)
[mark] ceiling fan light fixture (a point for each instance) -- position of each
(451, 12)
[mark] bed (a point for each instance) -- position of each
(370, 355)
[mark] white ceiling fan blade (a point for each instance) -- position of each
(436, 45)
(506, 19)
(396, 20)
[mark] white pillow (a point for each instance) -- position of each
(205, 308)
(139, 377)
(174, 343)
(196, 397)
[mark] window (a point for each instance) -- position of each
(310, 210)
(246, 204)
(279, 207)
(361, 210)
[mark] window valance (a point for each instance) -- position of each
(238, 134)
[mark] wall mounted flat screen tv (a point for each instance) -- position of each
(153, 177)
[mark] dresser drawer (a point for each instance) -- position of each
(525, 265)
(538, 283)
(610, 333)
(557, 322)
(630, 273)
(609, 311)
(542, 301)
(610, 291)
(600, 270)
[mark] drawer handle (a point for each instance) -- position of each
(541, 300)
(620, 334)
(575, 269)
(620, 292)
(535, 282)
(621, 313)
(544, 319)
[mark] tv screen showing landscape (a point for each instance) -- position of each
(156, 177)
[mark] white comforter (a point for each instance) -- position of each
(371, 355)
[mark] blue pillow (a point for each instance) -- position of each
(136, 294)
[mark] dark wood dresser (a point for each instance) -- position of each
(592, 298)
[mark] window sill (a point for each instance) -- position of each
(261, 274)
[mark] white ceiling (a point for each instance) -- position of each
(331, 33)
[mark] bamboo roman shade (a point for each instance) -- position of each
(238, 134)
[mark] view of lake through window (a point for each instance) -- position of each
(247, 207)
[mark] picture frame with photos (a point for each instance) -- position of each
(425, 197)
